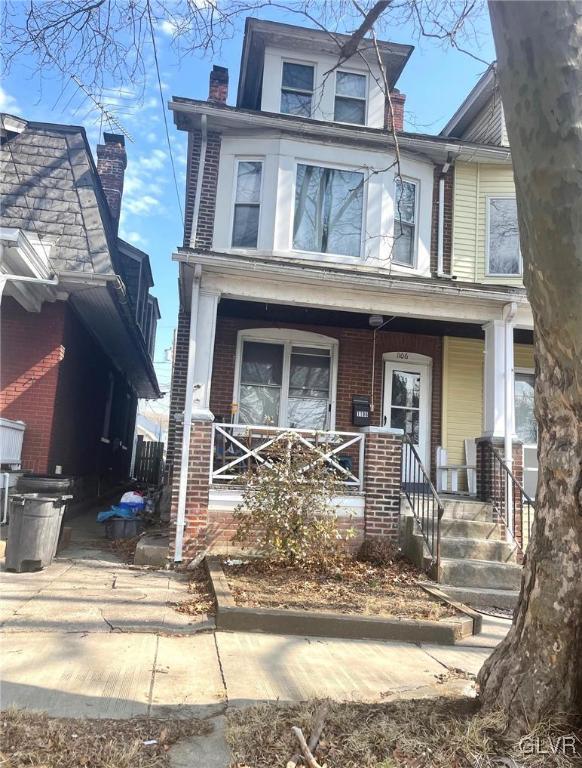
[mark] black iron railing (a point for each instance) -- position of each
(509, 499)
(424, 501)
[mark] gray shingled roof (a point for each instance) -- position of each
(48, 187)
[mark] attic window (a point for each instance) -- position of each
(350, 98)
(297, 89)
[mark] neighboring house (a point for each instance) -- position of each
(326, 285)
(78, 323)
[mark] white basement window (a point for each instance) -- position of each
(503, 254)
(283, 383)
(350, 98)
(405, 208)
(297, 89)
(328, 210)
(247, 204)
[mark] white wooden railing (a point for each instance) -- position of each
(457, 478)
(236, 447)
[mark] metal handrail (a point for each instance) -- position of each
(424, 501)
(525, 507)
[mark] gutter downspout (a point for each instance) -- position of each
(509, 313)
(441, 221)
(199, 180)
(187, 425)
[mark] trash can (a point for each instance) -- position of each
(53, 485)
(33, 531)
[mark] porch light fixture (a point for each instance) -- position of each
(375, 321)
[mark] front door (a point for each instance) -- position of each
(407, 400)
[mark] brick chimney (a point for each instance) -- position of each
(398, 100)
(218, 86)
(111, 165)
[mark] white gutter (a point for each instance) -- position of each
(187, 426)
(441, 222)
(4, 278)
(199, 180)
(509, 313)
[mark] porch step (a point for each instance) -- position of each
(478, 549)
(467, 509)
(477, 597)
(470, 529)
(476, 573)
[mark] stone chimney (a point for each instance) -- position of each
(111, 165)
(398, 100)
(218, 86)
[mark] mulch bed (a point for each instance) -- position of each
(31, 739)
(201, 600)
(435, 733)
(352, 588)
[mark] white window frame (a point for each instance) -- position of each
(237, 161)
(288, 338)
(488, 273)
(525, 372)
(366, 98)
(329, 256)
(311, 64)
(417, 185)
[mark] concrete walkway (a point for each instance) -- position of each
(90, 636)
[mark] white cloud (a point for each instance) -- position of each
(141, 204)
(7, 102)
(168, 27)
(154, 161)
(152, 137)
(134, 238)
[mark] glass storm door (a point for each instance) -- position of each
(406, 405)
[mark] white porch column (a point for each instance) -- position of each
(202, 370)
(498, 407)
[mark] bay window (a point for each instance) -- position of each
(328, 210)
(405, 204)
(503, 254)
(285, 383)
(297, 89)
(350, 98)
(247, 204)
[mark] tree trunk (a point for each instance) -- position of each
(537, 670)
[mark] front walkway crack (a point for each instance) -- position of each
(221, 670)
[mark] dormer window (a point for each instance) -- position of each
(350, 98)
(297, 89)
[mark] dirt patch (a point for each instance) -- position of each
(29, 739)
(125, 548)
(437, 733)
(353, 588)
(201, 595)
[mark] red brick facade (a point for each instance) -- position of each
(398, 99)
(448, 222)
(354, 368)
(111, 165)
(491, 479)
(205, 227)
(177, 394)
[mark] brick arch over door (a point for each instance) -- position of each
(354, 375)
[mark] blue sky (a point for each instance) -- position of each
(435, 81)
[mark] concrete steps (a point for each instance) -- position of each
(478, 549)
(470, 529)
(480, 573)
(483, 598)
(467, 509)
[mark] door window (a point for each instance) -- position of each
(405, 403)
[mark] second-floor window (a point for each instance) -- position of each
(503, 254)
(350, 98)
(328, 210)
(405, 201)
(297, 89)
(247, 204)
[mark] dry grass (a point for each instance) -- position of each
(125, 548)
(353, 588)
(30, 739)
(441, 733)
(201, 600)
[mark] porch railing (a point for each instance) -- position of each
(238, 447)
(424, 501)
(510, 500)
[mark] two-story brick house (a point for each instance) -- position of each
(320, 279)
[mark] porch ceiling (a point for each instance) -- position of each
(283, 313)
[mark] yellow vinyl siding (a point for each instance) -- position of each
(523, 356)
(474, 184)
(462, 394)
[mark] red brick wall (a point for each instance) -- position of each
(398, 99)
(204, 231)
(448, 222)
(354, 368)
(32, 348)
(177, 393)
(382, 468)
